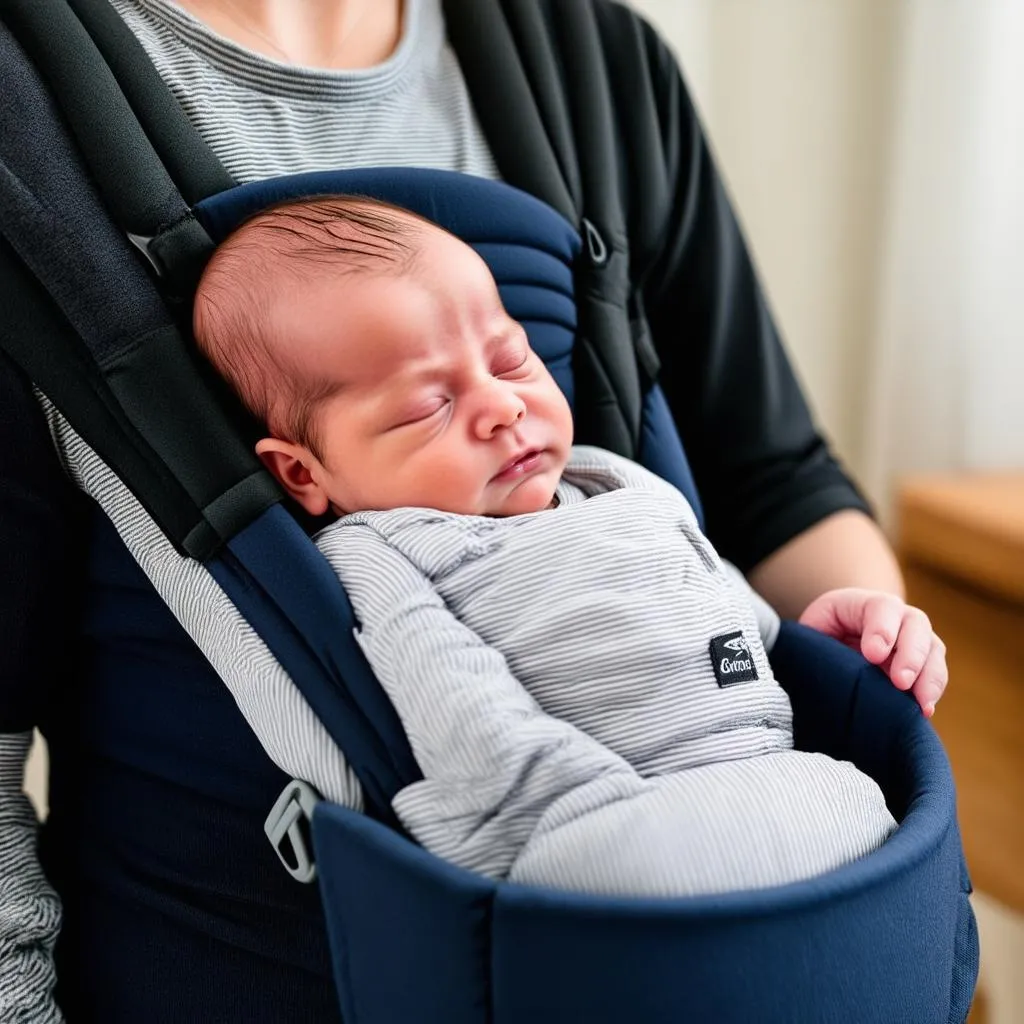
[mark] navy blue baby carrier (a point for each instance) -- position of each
(888, 938)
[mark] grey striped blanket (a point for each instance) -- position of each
(587, 694)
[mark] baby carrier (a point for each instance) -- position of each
(146, 431)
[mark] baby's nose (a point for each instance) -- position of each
(501, 409)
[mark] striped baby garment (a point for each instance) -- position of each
(587, 694)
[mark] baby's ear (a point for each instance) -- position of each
(295, 469)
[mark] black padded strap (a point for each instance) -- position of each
(72, 381)
(133, 182)
(94, 334)
(187, 158)
(505, 105)
(141, 405)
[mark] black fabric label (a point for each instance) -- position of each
(731, 659)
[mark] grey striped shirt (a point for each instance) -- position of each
(263, 118)
(557, 677)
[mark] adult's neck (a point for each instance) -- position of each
(338, 34)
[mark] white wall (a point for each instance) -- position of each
(947, 382)
(797, 100)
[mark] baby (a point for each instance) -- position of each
(583, 681)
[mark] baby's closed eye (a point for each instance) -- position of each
(419, 412)
(511, 362)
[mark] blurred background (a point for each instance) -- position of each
(874, 150)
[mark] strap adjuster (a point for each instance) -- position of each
(177, 254)
(289, 820)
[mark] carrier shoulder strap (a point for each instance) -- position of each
(188, 160)
(136, 188)
(139, 397)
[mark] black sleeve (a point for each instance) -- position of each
(763, 469)
(39, 565)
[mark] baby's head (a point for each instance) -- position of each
(375, 348)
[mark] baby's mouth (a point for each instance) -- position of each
(523, 463)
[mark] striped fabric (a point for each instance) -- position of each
(287, 729)
(263, 118)
(555, 675)
(29, 908)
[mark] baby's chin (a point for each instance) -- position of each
(529, 497)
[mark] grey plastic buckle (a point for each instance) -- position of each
(296, 802)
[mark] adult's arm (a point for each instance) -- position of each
(29, 908)
(770, 485)
(35, 545)
(846, 549)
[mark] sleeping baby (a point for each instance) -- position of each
(582, 679)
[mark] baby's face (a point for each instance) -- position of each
(439, 401)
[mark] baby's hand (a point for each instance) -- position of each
(890, 634)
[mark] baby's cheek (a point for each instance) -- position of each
(452, 483)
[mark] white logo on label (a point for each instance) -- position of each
(728, 666)
(737, 644)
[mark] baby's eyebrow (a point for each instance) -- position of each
(501, 328)
(509, 334)
(400, 386)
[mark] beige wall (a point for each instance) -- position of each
(797, 98)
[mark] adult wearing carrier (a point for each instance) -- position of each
(174, 906)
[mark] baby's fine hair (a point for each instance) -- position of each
(250, 271)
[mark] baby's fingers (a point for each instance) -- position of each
(932, 681)
(913, 647)
(883, 618)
